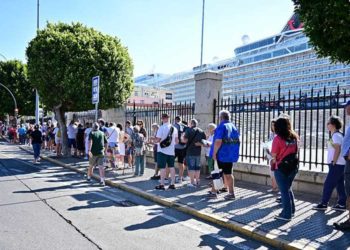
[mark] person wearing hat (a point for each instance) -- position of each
(167, 137)
(345, 152)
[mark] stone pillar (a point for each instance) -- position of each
(207, 86)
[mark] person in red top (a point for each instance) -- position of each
(283, 145)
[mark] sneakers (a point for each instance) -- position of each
(344, 226)
(212, 195)
(339, 208)
(172, 186)
(282, 218)
(223, 190)
(186, 178)
(321, 207)
(230, 197)
(160, 187)
(102, 183)
(155, 177)
(190, 185)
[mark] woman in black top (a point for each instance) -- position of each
(36, 136)
(80, 140)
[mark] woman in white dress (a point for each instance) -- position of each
(121, 145)
(86, 134)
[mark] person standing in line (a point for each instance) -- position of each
(180, 148)
(80, 140)
(225, 150)
(58, 140)
(139, 144)
(97, 146)
(121, 145)
(193, 138)
(345, 152)
(284, 164)
(207, 144)
(112, 133)
(36, 136)
(155, 145)
(72, 131)
(129, 146)
(87, 132)
(22, 134)
(167, 137)
(336, 165)
(267, 150)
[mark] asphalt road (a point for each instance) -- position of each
(49, 207)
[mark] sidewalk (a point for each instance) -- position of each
(251, 214)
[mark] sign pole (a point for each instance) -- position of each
(96, 94)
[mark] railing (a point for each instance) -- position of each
(309, 115)
(150, 114)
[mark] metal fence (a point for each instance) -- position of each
(309, 115)
(152, 113)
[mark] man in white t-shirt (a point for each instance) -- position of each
(167, 137)
(72, 131)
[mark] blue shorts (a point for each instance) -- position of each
(193, 163)
(72, 142)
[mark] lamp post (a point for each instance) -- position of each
(36, 91)
(14, 100)
(202, 34)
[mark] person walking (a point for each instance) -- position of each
(97, 146)
(167, 137)
(36, 136)
(336, 166)
(284, 163)
(345, 152)
(193, 138)
(225, 150)
(139, 144)
(22, 134)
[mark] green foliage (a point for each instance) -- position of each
(13, 74)
(63, 58)
(327, 24)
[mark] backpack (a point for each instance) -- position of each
(180, 131)
(138, 141)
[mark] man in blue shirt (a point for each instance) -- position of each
(345, 152)
(22, 134)
(225, 150)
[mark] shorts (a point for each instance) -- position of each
(226, 167)
(347, 178)
(180, 154)
(193, 163)
(163, 160)
(72, 142)
(112, 145)
(58, 140)
(96, 160)
(130, 151)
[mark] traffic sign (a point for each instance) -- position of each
(95, 89)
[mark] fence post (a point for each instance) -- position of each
(207, 85)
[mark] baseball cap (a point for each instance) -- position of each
(165, 116)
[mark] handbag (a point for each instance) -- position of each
(216, 175)
(167, 141)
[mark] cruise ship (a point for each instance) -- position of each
(286, 59)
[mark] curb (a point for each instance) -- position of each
(268, 238)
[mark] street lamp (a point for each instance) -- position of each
(14, 100)
(36, 91)
(202, 35)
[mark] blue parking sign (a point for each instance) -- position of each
(95, 89)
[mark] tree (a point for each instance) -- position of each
(63, 58)
(327, 24)
(13, 74)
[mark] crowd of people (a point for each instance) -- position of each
(107, 145)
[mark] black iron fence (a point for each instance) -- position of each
(309, 115)
(152, 113)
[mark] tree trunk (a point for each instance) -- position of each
(59, 113)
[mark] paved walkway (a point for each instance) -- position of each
(254, 208)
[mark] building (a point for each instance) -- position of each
(286, 59)
(144, 94)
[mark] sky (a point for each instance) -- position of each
(162, 36)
